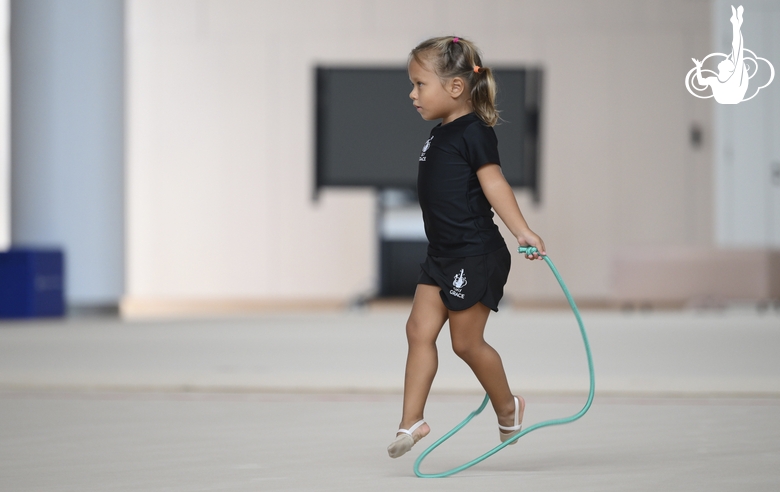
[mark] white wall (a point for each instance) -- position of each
(747, 158)
(220, 138)
(5, 134)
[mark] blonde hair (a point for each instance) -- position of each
(450, 57)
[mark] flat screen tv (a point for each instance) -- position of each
(369, 134)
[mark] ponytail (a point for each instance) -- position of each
(483, 95)
(456, 57)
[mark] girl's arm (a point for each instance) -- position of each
(702, 81)
(502, 199)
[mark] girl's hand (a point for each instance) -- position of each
(529, 238)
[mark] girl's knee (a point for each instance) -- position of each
(465, 347)
(420, 333)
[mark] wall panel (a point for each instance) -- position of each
(220, 138)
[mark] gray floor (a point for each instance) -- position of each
(686, 401)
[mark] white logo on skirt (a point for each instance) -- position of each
(458, 284)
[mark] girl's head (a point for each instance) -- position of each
(457, 60)
(725, 69)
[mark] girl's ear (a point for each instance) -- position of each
(456, 87)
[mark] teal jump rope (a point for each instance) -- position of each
(526, 250)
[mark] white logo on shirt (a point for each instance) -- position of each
(425, 149)
(458, 284)
(427, 145)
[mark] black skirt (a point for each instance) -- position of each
(467, 281)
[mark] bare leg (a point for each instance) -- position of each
(422, 329)
(736, 34)
(467, 330)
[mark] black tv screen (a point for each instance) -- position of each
(369, 134)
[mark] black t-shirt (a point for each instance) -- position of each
(458, 218)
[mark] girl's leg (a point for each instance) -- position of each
(467, 328)
(425, 322)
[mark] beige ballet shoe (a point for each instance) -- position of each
(404, 441)
(506, 433)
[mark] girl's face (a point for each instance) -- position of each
(431, 98)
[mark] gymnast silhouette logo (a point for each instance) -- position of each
(460, 280)
(730, 84)
(425, 149)
(427, 145)
(458, 284)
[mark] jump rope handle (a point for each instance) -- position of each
(528, 251)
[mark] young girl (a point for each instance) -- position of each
(463, 277)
